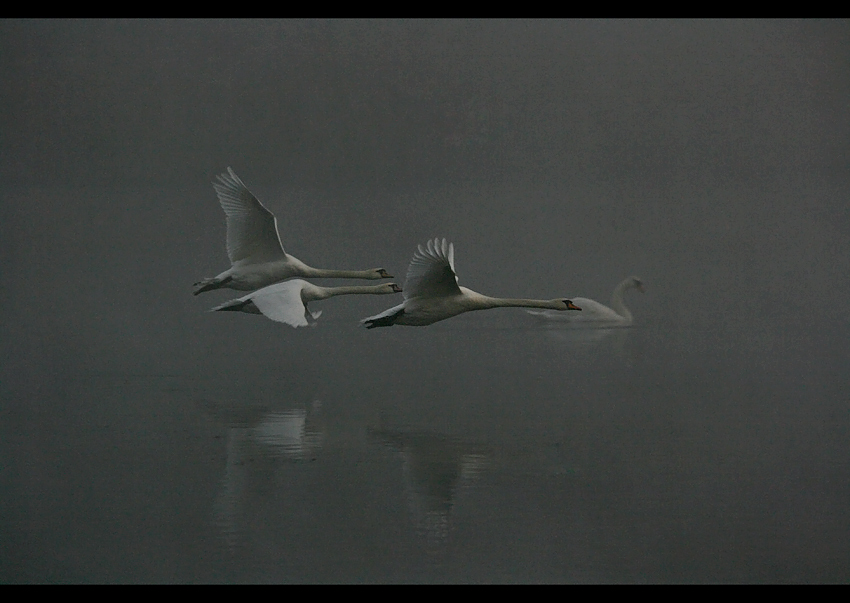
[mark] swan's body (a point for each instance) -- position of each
(287, 302)
(254, 247)
(431, 293)
(594, 312)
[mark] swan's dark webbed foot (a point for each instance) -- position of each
(247, 306)
(386, 321)
(208, 284)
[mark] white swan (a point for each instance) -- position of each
(431, 293)
(287, 301)
(593, 311)
(254, 247)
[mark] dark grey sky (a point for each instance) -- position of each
(401, 103)
(708, 157)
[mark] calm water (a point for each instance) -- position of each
(486, 448)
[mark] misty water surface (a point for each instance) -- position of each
(468, 452)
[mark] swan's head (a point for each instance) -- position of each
(381, 273)
(388, 288)
(638, 284)
(569, 305)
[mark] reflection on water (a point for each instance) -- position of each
(472, 455)
(257, 437)
(437, 468)
(288, 434)
(580, 337)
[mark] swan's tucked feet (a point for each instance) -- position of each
(386, 321)
(238, 305)
(208, 284)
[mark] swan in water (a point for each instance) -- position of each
(431, 292)
(593, 311)
(287, 301)
(254, 247)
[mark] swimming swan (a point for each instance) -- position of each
(254, 247)
(593, 311)
(431, 292)
(287, 301)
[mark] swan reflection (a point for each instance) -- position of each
(437, 469)
(579, 335)
(593, 342)
(287, 434)
(257, 439)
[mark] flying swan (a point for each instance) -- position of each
(431, 292)
(287, 301)
(254, 247)
(593, 311)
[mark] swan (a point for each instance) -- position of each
(287, 301)
(431, 292)
(254, 247)
(593, 311)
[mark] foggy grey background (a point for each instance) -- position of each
(709, 158)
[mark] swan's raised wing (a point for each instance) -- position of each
(282, 302)
(432, 271)
(252, 236)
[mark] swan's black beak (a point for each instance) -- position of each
(384, 273)
(396, 288)
(572, 306)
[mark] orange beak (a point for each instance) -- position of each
(572, 306)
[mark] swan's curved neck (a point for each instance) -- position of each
(617, 303)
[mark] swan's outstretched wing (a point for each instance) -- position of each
(252, 235)
(432, 271)
(282, 302)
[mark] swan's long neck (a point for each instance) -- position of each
(317, 293)
(305, 271)
(617, 303)
(310, 272)
(507, 302)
